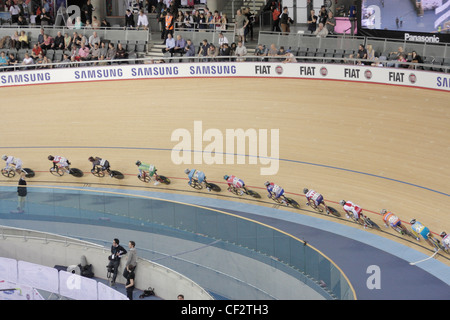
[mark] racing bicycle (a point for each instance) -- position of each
(145, 177)
(244, 190)
(289, 201)
(11, 172)
(59, 171)
(100, 173)
(366, 220)
(319, 209)
(210, 186)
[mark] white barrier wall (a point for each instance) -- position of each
(369, 74)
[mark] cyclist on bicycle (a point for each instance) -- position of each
(275, 191)
(11, 161)
(235, 182)
(60, 162)
(102, 163)
(199, 176)
(354, 210)
(419, 230)
(148, 169)
(391, 220)
(312, 195)
(445, 240)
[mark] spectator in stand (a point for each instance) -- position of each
(142, 20)
(261, 51)
(203, 52)
(45, 17)
(217, 19)
(290, 58)
(370, 55)
(170, 45)
(83, 52)
(95, 52)
(121, 53)
(58, 42)
(312, 22)
(361, 54)
(330, 23)
(67, 41)
(48, 42)
(225, 52)
(36, 51)
(273, 52)
(88, 25)
(111, 53)
(188, 21)
(86, 11)
(95, 23)
(76, 40)
(14, 11)
(224, 22)
(241, 51)
(321, 32)
(12, 61)
(276, 12)
(241, 23)
(105, 24)
(285, 21)
(103, 51)
(222, 39)
(65, 62)
(202, 26)
(78, 23)
(129, 20)
(3, 60)
(27, 61)
(23, 39)
(180, 44)
(415, 58)
(40, 38)
(39, 60)
(212, 52)
(94, 39)
(323, 15)
(15, 43)
(22, 21)
(189, 49)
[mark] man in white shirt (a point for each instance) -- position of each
(170, 45)
(14, 10)
(222, 39)
(241, 50)
(142, 20)
(93, 39)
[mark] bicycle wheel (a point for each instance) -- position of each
(333, 211)
(8, 173)
(213, 187)
(117, 174)
(98, 172)
(76, 172)
(144, 177)
(293, 203)
(194, 184)
(163, 179)
(313, 205)
(370, 223)
(28, 172)
(56, 172)
(253, 194)
(437, 244)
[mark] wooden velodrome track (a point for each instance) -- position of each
(379, 146)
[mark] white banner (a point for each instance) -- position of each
(369, 74)
(12, 291)
(8, 269)
(107, 293)
(77, 287)
(38, 276)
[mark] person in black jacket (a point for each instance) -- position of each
(129, 19)
(117, 251)
(21, 193)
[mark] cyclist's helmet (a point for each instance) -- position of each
(266, 183)
(412, 221)
(187, 171)
(305, 190)
(91, 159)
(342, 202)
(50, 157)
(226, 177)
(4, 157)
(443, 234)
(138, 163)
(383, 211)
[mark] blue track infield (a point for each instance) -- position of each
(353, 250)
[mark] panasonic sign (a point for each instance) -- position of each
(418, 38)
